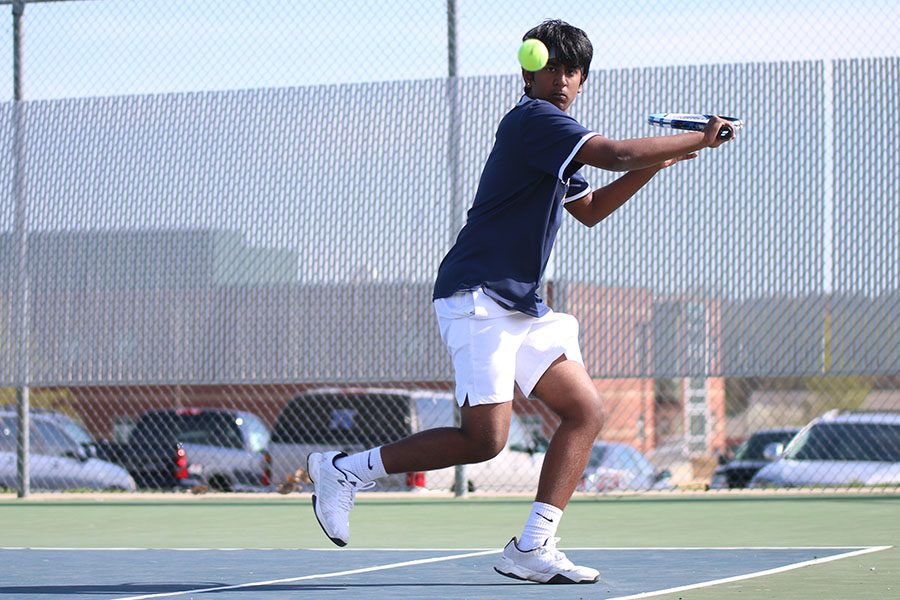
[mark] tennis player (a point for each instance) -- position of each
(498, 330)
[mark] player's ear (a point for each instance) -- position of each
(528, 78)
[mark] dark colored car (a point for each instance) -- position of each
(750, 458)
(223, 449)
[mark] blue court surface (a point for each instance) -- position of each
(225, 574)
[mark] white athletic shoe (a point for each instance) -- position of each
(544, 564)
(335, 492)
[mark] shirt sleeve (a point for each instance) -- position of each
(552, 138)
(578, 188)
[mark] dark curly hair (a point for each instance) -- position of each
(567, 44)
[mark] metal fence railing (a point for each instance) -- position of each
(207, 202)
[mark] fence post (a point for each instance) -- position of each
(21, 328)
(460, 489)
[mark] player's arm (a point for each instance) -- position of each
(602, 202)
(640, 153)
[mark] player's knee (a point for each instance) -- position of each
(486, 445)
(596, 415)
(494, 446)
(588, 411)
(594, 411)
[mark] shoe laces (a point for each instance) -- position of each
(349, 487)
(549, 548)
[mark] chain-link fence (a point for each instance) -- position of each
(221, 222)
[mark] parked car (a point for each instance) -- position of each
(61, 456)
(354, 419)
(614, 467)
(749, 458)
(223, 449)
(838, 449)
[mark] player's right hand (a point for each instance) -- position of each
(712, 129)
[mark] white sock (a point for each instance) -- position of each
(540, 526)
(367, 466)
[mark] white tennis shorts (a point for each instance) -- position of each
(494, 349)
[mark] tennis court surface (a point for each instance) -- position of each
(811, 548)
(166, 573)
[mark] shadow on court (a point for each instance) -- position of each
(141, 589)
(374, 574)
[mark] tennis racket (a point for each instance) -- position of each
(694, 122)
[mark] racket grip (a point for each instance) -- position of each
(725, 132)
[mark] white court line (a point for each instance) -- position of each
(407, 563)
(790, 567)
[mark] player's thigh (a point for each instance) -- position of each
(487, 424)
(567, 389)
(551, 336)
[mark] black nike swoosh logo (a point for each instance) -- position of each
(369, 460)
(545, 518)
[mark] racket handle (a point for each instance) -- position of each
(725, 132)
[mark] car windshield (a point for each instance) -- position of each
(599, 455)
(190, 427)
(622, 458)
(7, 435)
(878, 442)
(343, 419)
(752, 449)
(257, 433)
(46, 437)
(75, 431)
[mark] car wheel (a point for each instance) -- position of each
(220, 483)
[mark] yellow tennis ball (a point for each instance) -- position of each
(533, 55)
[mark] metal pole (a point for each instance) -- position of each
(457, 208)
(21, 328)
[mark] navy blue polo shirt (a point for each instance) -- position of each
(510, 229)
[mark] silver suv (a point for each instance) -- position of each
(62, 456)
(839, 450)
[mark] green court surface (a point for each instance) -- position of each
(422, 522)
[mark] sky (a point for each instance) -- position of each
(86, 48)
(101, 48)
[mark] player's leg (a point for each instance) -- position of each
(567, 390)
(481, 436)
(337, 477)
(565, 387)
(483, 339)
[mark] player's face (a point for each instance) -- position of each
(556, 83)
